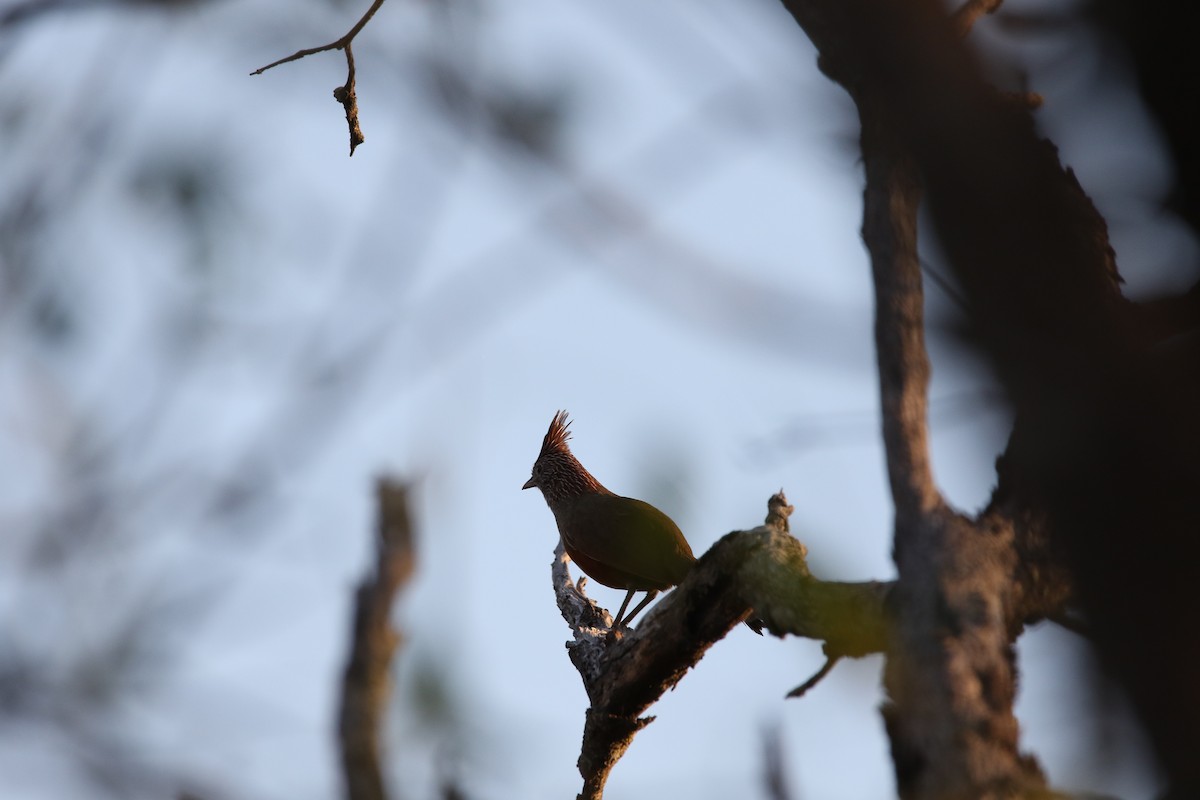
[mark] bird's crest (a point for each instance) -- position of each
(556, 437)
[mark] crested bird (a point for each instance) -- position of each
(621, 542)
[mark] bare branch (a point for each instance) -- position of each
(338, 44)
(365, 684)
(762, 569)
(953, 572)
(950, 671)
(825, 669)
(890, 202)
(345, 93)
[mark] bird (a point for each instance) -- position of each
(620, 542)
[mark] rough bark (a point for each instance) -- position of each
(765, 569)
(762, 569)
(1103, 463)
(950, 676)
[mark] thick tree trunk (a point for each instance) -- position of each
(1104, 462)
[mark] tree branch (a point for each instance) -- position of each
(365, 684)
(890, 202)
(763, 569)
(817, 677)
(950, 671)
(1109, 420)
(950, 674)
(337, 44)
(1107, 465)
(344, 94)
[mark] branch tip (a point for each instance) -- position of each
(802, 689)
(343, 94)
(778, 511)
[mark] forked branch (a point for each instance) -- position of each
(345, 93)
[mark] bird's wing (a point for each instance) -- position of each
(632, 540)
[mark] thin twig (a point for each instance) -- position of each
(803, 688)
(345, 93)
(339, 44)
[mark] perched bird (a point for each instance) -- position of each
(621, 542)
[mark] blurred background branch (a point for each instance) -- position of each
(366, 683)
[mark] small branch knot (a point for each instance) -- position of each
(344, 94)
(778, 512)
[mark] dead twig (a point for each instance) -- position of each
(802, 689)
(345, 93)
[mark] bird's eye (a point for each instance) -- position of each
(537, 469)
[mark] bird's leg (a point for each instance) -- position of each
(650, 595)
(621, 613)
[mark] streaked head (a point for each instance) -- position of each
(556, 471)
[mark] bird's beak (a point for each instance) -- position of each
(529, 484)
